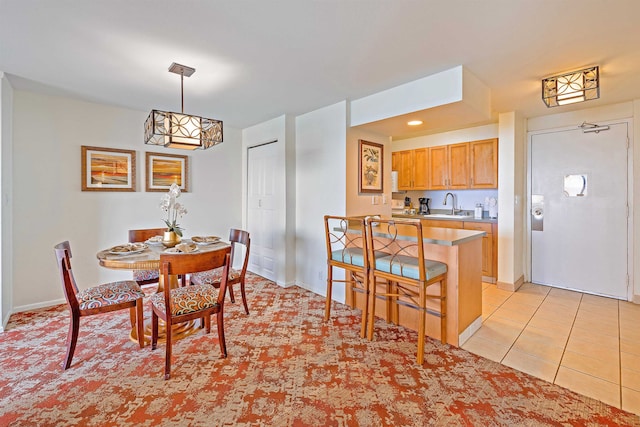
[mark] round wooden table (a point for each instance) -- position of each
(149, 259)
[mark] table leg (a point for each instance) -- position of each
(180, 330)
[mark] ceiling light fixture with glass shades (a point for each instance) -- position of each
(576, 86)
(180, 130)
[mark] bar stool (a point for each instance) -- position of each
(346, 249)
(395, 256)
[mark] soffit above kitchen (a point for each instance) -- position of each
(450, 99)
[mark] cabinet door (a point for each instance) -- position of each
(405, 170)
(395, 161)
(458, 166)
(484, 163)
(438, 168)
(421, 169)
(487, 246)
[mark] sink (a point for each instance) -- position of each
(448, 216)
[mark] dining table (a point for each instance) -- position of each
(146, 256)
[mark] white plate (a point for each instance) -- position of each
(154, 241)
(178, 251)
(205, 240)
(128, 249)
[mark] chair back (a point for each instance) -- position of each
(241, 237)
(144, 234)
(388, 239)
(182, 264)
(345, 240)
(63, 256)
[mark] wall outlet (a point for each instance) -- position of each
(374, 200)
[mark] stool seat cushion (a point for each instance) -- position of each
(351, 256)
(109, 294)
(406, 266)
(187, 299)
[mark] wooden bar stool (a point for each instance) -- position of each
(346, 249)
(396, 254)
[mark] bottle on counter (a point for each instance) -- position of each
(477, 213)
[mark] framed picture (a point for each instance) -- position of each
(108, 169)
(162, 170)
(370, 167)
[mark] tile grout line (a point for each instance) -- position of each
(566, 344)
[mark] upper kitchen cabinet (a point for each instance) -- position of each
(449, 167)
(412, 166)
(484, 163)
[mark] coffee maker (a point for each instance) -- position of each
(424, 205)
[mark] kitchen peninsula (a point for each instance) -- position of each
(461, 250)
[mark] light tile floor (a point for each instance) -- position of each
(586, 343)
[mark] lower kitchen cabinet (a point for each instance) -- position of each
(489, 242)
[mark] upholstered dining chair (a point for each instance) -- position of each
(95, 300)
(347, 249)
(145, 277)
(189, 302)
(396, 254)
(213, 277)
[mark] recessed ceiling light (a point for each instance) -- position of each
(415, 123)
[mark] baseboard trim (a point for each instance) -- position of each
(512, 287)
(635, 299)
(471, 329)
(488, 279)
(38, 305)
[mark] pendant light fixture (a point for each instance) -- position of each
(179, 130)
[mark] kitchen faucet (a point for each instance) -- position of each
(453, 202)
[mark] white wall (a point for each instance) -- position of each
(510, 199)
(6, 192)
(49, 207)
(320, 190)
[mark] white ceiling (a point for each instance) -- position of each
(256, 59)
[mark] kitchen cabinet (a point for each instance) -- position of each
(489, 242)
(411, 166)
(489, 248)
(449, 167)
(484, 163)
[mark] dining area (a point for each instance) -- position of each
(192, 277)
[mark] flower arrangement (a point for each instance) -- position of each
(173, 209)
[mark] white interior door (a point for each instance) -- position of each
(261, 205)
(579, 210)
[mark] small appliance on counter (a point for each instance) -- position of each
(424, 206)
(407, 202)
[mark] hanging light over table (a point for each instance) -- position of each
(180, 130)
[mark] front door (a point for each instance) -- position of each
(579, 210)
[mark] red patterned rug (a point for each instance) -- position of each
(286, 367)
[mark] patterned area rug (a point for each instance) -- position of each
(286, 367)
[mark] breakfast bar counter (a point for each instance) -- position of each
(461, 250)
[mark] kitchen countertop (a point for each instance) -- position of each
(462, 218)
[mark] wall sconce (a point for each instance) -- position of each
(568, 88)
(179, 130)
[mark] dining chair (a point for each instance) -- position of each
(95, 300)
(396, 254)
(346, 249)
(145, 277)
(186, 303)
(213, 277)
